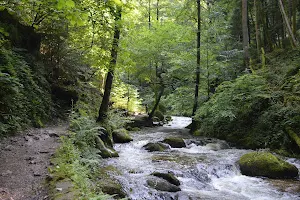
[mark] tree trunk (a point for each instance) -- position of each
(158, 75)
(257, 6)
(109, 79)
(245, 33)
(157, 10)
(288, 26)
(195, 107)
(149, 14)
(161, 92)
(294, 20)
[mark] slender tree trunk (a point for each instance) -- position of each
(161, 92)
(196, 98)
(257, 6)
(157, 10)
(286, 21)
(294, 20)
(158, 75)
(110, 76)
(198, 68)
(149, 14)
(245, 32)
(207, 54)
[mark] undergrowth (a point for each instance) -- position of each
(25, 94)
(78, 160)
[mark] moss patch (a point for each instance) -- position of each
(266, 164)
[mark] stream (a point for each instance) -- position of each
(206, 168)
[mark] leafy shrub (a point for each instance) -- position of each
(234, 106)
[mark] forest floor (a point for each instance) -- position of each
(24, 162)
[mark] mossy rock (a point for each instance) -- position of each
(134, 129)
(108, 153)
(112, 187)
(175, 142)
(168, 118)
(105, 137)
(108, 184)
(159, 115)
(105, 152)
(168, 177)
(155, 147)
(121, 136)
(267, 165)
(162, 185)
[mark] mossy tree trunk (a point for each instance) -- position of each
(245, 33)
(257, 5)
(110, 76)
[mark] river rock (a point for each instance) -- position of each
(140, 121)
(162, 185)
(155, 147)
(159, 115)
(112, 187)
(175, 142)
(267, 165)
(105, 152)
(105, 136)
(168, 177)
(121, 136)
(218, 146)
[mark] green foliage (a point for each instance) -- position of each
(85, 131)
(24, 91)
(255, 110)
(126, 97)
(77, 159)
(115, 120)
(234, 104)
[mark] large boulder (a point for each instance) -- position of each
(168, 177)
(162, 185)
(121, 136)
(267, 165)
(175, 142)
(155, 147)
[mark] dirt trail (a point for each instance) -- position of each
(24, 162)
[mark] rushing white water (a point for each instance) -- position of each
(206, 168)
